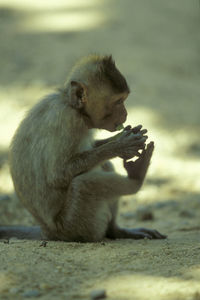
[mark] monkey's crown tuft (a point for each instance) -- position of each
(109, 71)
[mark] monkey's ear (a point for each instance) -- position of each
(78, 95)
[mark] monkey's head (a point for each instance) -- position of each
(98, 90)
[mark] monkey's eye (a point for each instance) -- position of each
(120, 101)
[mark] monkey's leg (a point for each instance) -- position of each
(115, 232)
(109, 184)
(90, 209)
(135, 170)
(84, 217)
(86, 213)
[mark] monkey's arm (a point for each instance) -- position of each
(80, 163)
(98, 143)
(114, 184)
(108, 184)
(85, 161)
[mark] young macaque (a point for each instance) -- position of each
(62, 175)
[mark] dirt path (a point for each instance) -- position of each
(156, 44)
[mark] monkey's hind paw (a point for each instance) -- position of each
(141, 233)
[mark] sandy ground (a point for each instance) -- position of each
(156, 44)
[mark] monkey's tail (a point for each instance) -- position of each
(21, 232)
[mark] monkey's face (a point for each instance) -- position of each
(108, 112)
(115, 113)
(101, 107)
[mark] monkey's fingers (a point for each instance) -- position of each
(149, 149)
(143, 131)
(137, 138)
(158, 235)
(136, 129)
(150, 146)
(139, 134)
(153, 232)
(130, 135)
(127, 128)
(129, 167)
(130, 153)
(137, 234)
(138, 154)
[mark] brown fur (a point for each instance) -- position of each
(66, 183)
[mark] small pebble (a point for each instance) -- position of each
(184, 222)
(169, 203)
(128, 215)
(5, 241)
(45, 286)
(144, 214)
(14, 290)
(31, 293)
(43, 244)
(14, 240)
(132, 253)
(187, 214)
(98, 294)
(5, 197)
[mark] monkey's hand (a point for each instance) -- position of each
(137, 169)
(129, 143)
(128, 129)
(135, 129)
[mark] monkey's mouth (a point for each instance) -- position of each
(113, 127)
(119, 127)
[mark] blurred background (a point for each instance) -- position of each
(156, 45)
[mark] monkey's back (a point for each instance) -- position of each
(38, 150)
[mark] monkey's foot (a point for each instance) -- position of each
(141, 233)
(138, 233)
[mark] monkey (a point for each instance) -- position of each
(62, 175)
